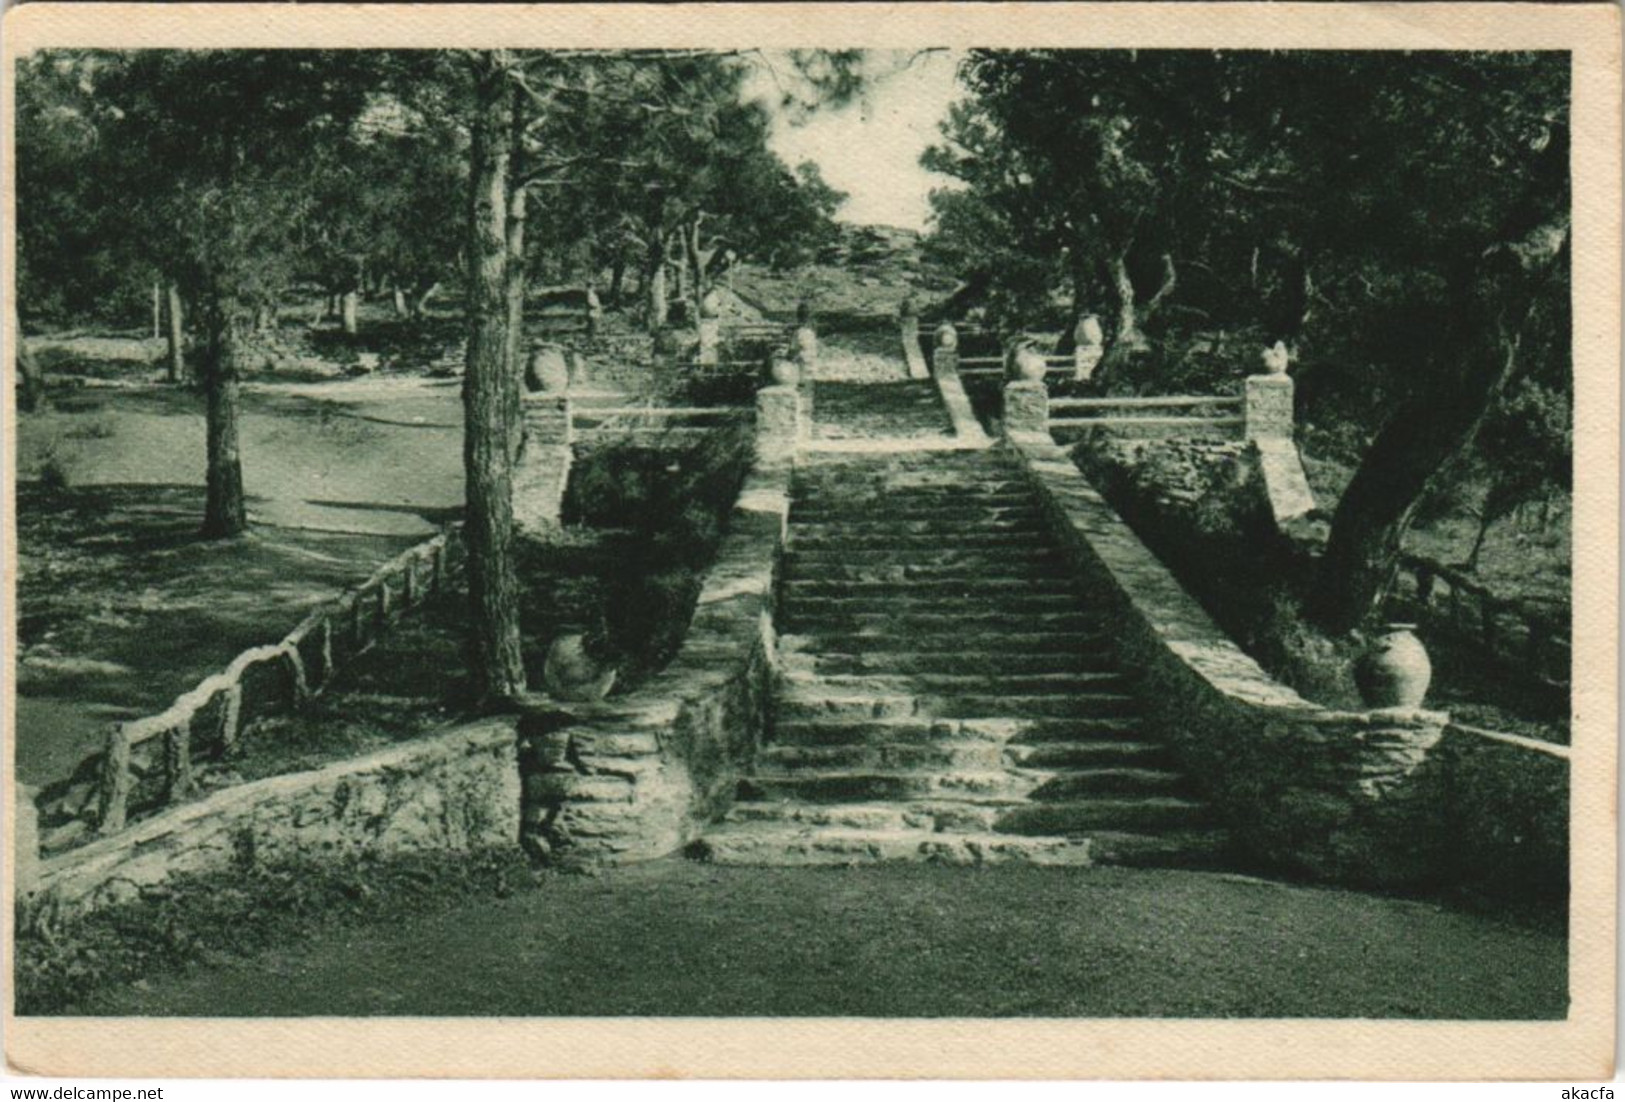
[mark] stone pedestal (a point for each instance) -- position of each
(944, 361)
(543, 469)
(778, 424)
(710, 340)
(1268, 409)
(1026, 407)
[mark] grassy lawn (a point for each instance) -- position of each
(680, 938)
(121, 606)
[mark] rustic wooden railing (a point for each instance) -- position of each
(208, 721)
(1447, 598)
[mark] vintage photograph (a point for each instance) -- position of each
(665, 532)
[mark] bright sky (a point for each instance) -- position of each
(871, 150)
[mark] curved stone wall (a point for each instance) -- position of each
(1389, 797)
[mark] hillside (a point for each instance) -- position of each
(864, 274)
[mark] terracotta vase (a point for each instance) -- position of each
(785, 372)
(1029, 364)
(947, 337)
(1394, 671)
(569, 673)
(711, 304)
(548, 370)
(1088, 333)
(806, 345)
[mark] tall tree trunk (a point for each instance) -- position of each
(490, 398)
(1494, 298)
(176, 334)
(225, 512)
(1129, 338)
(399, 298)
(30, 378)
(157, 309)
(514, 349)
(617, 280)
(654, 284)
(350, 302)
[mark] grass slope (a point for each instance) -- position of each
(677, 938)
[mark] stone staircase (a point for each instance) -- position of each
(894, 410)
(947, 694)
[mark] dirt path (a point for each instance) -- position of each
(680, 938)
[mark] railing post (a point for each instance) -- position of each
(178, 781)
(710, 328)
(778, 423)
(945, 353)
(113, 786)
(25, 847)
(543, 470)
(1267, 413)
(908, 324)
(1026, 408)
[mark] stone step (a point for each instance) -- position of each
(958, 684)
(909, 543)
(793, 845)
(943, 754)
(905, 503)
(1028, 524)
(1110, 780)
(917, 625)
(951, 643)
(1016, 660)
(825, 704)
(868, 785)
(1080, 816)
(895, 570)
(948, 557)
(971, 753)
(948, 492)
(911, 588)
(1022, 735)
(1083, 754)
(798, 604)
(870, 510)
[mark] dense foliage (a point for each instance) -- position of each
(1397, 219)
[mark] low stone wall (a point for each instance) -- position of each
(456, 791)
(152, 762)
(1388, 797)
(636, 777)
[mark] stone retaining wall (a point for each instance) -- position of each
(1387, 797)
(637, 776)
(152, 762)
(457, 791)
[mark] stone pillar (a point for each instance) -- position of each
(778, 423)
(1267, 413)
(1026, 407)
(543, 470)
(945, 356)
(25, 855)
(710, 340)
(908, 322)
